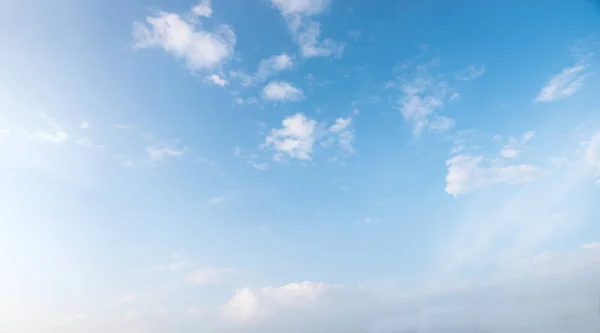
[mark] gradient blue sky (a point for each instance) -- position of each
(313, 165)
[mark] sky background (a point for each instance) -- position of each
(299, 165)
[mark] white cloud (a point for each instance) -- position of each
(282, 91)
(512, 149)
(441, 123)
(468, 173)
(249, 305)
(200, 49)
(218, 80)
(564, 84)
(296, 138)
(302, 7)
(216, 200)
(84, 125)
(267, 68)
(344, 132)
(208, 275)
(471, 73)
(259, 166)
(160, 153)
(422, 96)
(305, 30)
(203, 8)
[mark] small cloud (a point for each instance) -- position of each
(441, 124)
(592, 246)
(203, 8)
(216, 79)
(354, 34)
(282, 92)
(296, 138)
(53, 136)
(160, 153)
(84, 125)
(260, 166)
(471, 73)
(216, 200)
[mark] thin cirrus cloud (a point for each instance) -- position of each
(200, 49)
(471, 73)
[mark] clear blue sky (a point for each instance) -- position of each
(314, 165)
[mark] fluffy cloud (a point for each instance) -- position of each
(299, 135)
(218, 80)
(422, 96)
(200, 49)
(249, 305)
(203, 8)
(564, 84)
(282, 92)
(592, 154)
(296, 138)
(467, 173)
(306, 31)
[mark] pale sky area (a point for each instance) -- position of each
(319, 166)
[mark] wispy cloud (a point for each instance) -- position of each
(564, 84)
(422, 96)
(267, 68)
(306, 31)
(216, 200)
(471, 73)
(160, 153)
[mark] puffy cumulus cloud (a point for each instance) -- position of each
(564, 84)
(468, 173)
(200, 49)
(296, 138)
(306, 31)
(422, 95)
(282, 92)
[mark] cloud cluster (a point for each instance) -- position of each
(299, 134)
(468, 172)
(306, 31)
(184, 38)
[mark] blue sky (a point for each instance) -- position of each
(313, 165)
